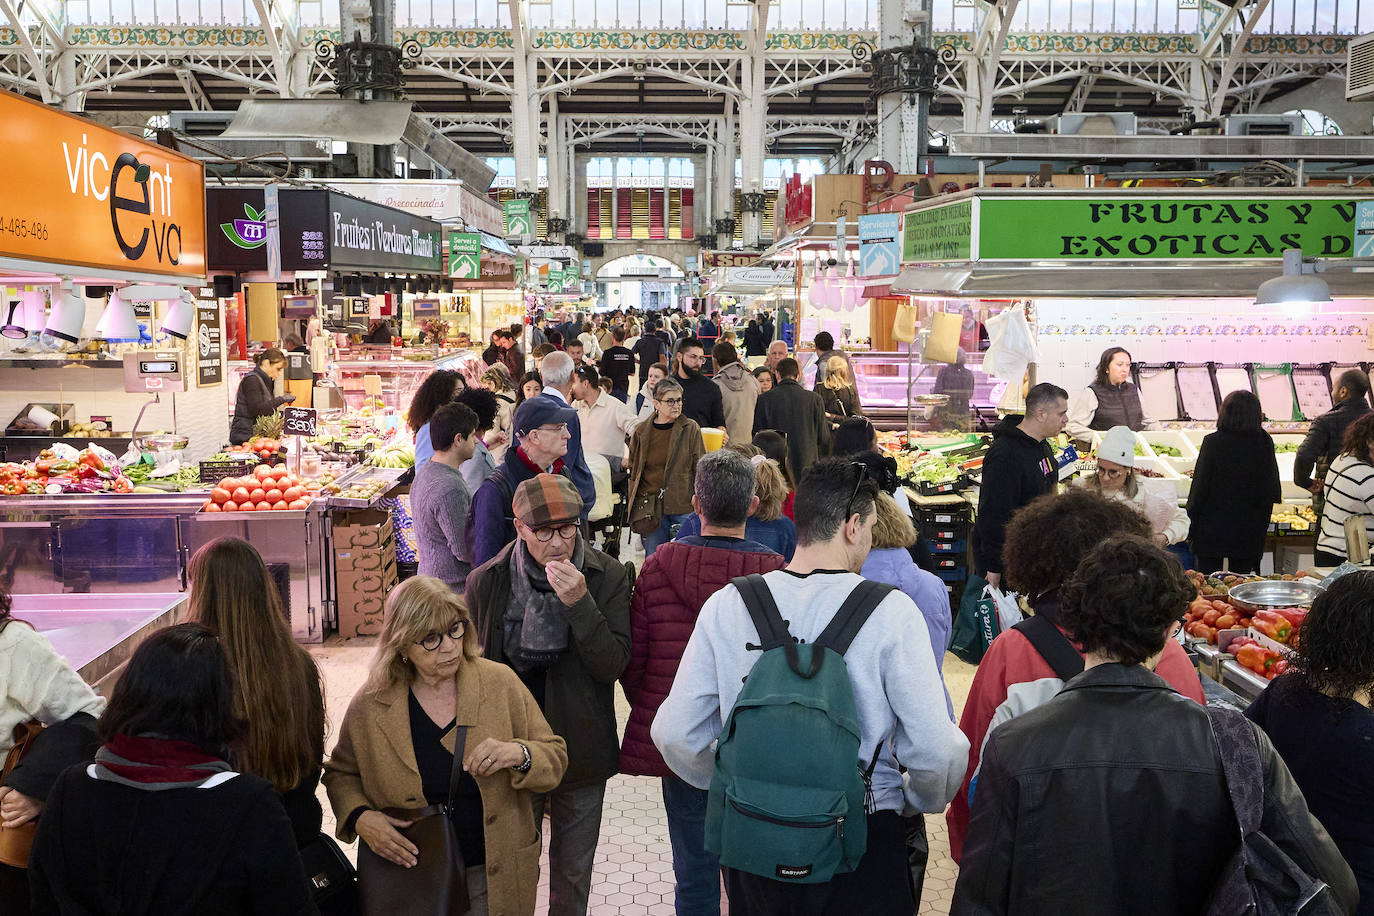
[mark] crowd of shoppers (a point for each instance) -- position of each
(786, 557)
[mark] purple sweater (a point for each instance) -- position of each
(894, 566)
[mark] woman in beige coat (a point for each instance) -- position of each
(395, 750)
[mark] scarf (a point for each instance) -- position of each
(536, 622)
(156, 764)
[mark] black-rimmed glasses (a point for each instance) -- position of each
(566, 532)
(858, 484)
(431, 642)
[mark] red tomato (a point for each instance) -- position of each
(280, 506)
(265, 453)
(298, 504)
(263, 506)
(262, 471)
(229, 483)
(274, 495)
(208, 505)
(219, 495)
(230, 506)
(240, 495)
(258, 495)
(292, 494)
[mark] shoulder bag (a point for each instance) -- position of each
(437, 885)
(16, 842)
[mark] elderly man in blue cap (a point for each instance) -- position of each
(542, 429)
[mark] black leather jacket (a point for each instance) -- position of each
(1110, 799)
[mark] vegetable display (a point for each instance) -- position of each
(1167, 451)
(266, 489)
(393, 456)
(51, 475)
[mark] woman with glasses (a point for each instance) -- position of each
(1116, 479)
(394, 760)
(662, 466)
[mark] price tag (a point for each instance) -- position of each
(299, 421)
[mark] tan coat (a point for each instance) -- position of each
(374, 766)
(685, 448)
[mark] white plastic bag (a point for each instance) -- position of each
(1008, 608)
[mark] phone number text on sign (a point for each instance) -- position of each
(24, 229)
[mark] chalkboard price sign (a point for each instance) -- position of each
(300, 421)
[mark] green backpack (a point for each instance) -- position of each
(788, 795)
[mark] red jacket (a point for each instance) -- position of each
(1013, 679)
(673, 585)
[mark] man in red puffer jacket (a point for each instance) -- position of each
(669, 593)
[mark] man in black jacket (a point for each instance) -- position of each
(701, 399)
(1323, 442)
(1017, 468)
(797, 413)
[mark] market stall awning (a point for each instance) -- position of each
(749, 281)
(1148, 281)
(878, 287)
(498, 246)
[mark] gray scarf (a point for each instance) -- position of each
(535, 622)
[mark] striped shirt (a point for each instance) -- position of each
(1349, 491)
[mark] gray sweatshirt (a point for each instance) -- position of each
(439, 507)
(898, 692)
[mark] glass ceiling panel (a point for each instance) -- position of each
(1284, 17)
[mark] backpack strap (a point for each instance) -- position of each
(1054, 647)
(763, 610)
(1240, 765)
(853, 614)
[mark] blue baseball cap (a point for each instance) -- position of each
(541, 410)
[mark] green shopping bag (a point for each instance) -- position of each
(976, 624)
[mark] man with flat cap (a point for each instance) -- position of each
(542, 428)
(557, 611)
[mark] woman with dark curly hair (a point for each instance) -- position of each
(1319, 712)
(1045, 541)
(439, 388)
(1112, 794)
(1349, 492)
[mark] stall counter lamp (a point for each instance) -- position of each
(180, 316)
(1298, 289)
(118, 322)
(67, 316)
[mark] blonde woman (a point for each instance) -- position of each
(497, 380)
(840, 398)
(395, 752)
(767, 525)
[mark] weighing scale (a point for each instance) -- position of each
(156, 371)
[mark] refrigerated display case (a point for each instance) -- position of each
(98, 633)
(882, 379)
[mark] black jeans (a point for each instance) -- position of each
(882, 882)
(1210, 564)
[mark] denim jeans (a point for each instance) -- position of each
(697, 871)
(667, 530)
(574, 830)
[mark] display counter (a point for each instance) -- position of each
(98, 633)
(882, 379)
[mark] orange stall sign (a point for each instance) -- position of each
(76, 193)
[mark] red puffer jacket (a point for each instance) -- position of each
(669, 593)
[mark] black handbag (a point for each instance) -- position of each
(437, 885)
(333, 880)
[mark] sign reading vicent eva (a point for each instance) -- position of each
(77, 193)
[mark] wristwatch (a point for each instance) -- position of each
(524, 767)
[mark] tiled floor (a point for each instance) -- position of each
(634, 863)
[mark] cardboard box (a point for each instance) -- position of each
(360, 599)
(365, 559)
(363, 528)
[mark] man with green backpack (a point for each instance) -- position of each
(808, 703)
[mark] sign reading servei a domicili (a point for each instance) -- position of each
(76, 193)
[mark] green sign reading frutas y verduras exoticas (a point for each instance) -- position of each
(943, 233)
(1132, 228)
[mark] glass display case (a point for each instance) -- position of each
(882, 380)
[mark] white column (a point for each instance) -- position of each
(725, 169)
(553, 146)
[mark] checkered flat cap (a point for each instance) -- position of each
(546, 500)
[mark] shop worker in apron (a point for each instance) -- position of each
(1111, 400)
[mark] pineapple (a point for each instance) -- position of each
(269, 427)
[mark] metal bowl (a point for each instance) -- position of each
(161, 443)
(1273, 593)
(931, 400)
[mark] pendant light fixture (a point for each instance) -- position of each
(180, 315)
(13, 302)
(117, 323)
(67, 316)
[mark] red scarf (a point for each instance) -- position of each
(557, 464)
(161, 761)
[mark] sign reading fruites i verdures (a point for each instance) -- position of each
(81, 194)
